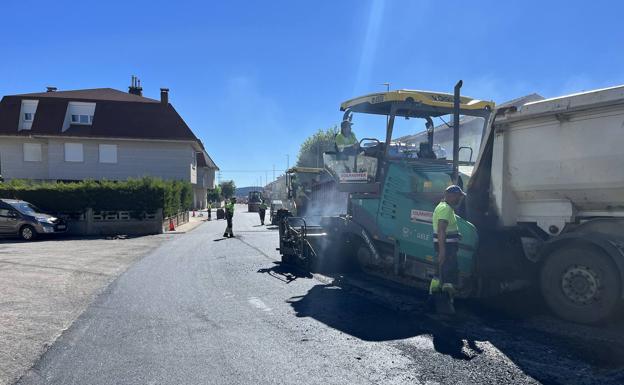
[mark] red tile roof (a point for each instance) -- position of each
(117, 115)
(94, 94)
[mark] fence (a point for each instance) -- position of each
(178, 219)
(92, 222)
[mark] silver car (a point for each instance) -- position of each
(26, 221)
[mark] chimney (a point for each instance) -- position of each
(50, 89)
(135, 86)
(164, 96)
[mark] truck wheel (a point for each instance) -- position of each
(27, 233)
(580, 284)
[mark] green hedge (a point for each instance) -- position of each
(136, 195)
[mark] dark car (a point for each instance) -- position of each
(27, 221)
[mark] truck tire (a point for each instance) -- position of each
(27, 233)
(580, 284)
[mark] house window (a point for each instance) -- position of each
(32, 152)
(73, 152)
(108, 153)
(82, 119)
(28, 116)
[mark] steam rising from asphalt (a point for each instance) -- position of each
(331, 203)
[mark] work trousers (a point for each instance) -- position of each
(262, 213)
(448, 270)
(228, 229)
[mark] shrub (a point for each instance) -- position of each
(135, 195)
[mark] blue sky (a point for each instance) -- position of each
(253, 79)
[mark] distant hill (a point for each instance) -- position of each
(244, 191)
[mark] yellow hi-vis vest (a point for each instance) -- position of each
(229, 208)
(444, 211)
(343, 141)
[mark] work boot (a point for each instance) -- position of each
(225, 235)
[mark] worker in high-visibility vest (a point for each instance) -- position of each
(345, 139)
(209, 208)
(229, 216)
(446, 239)
(262, 211)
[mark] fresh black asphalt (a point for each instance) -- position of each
(205, 310)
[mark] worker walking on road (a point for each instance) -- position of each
(229, 216)
(446, 239)
(262, 211)
(209, 208)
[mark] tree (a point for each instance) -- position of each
(214, 195)
(312, 149)
(228, 188)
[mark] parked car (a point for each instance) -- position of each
(27, 221)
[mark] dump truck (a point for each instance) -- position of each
(544, 204)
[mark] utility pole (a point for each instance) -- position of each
(273, 173)
(287, 161)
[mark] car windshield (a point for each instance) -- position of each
(25, 208)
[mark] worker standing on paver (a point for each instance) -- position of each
(229, 215)
(345, 139)
(262, 211)
(446, 239)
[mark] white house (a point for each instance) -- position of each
(100, 134)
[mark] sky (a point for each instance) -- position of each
(253, 79)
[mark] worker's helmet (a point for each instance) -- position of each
(454, 189)
(346, 124)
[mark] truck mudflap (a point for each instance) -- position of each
(613, 247)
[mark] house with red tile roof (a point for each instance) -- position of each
(100, 133)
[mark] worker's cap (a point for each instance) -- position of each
(454, 189)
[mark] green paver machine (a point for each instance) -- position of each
(387, 226)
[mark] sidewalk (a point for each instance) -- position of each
(194, 221)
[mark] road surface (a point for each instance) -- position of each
(205, 310)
